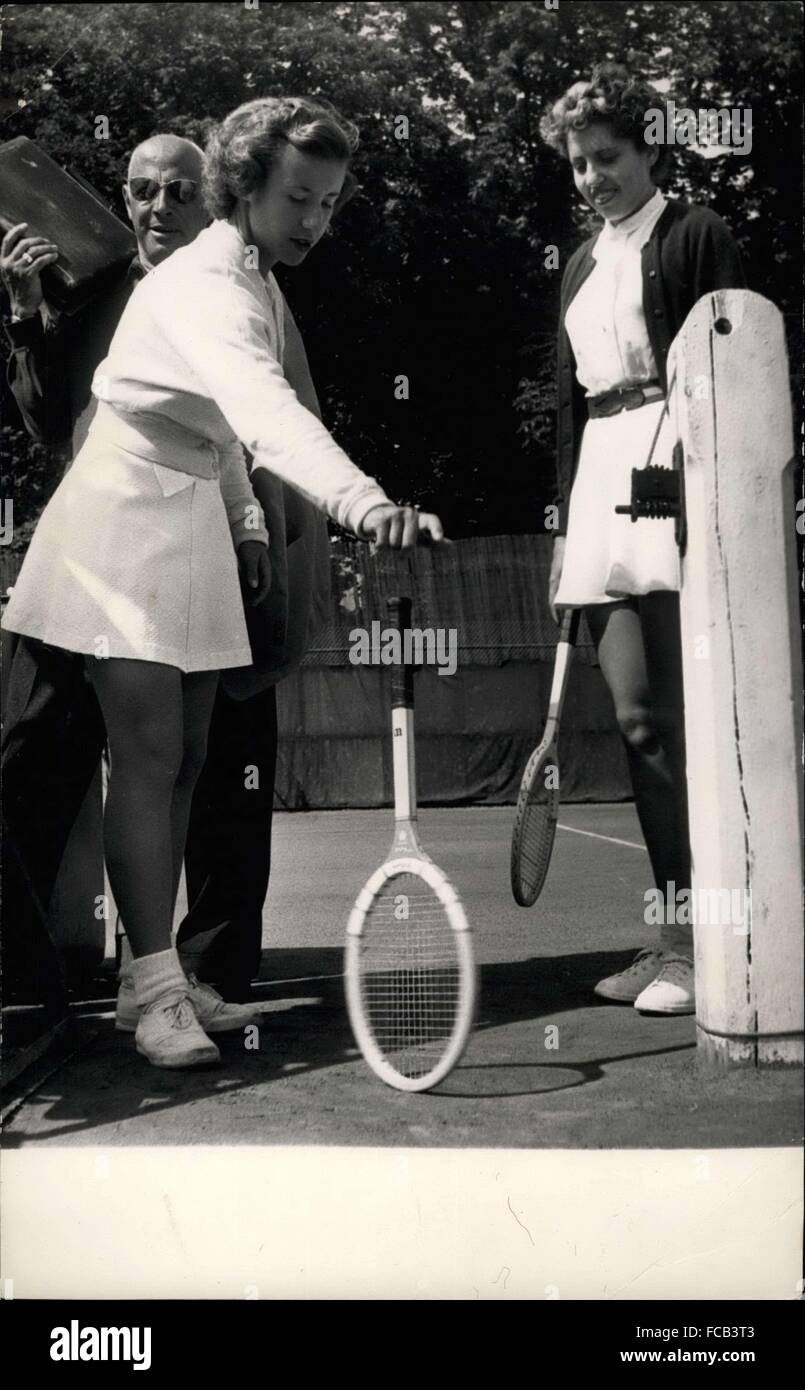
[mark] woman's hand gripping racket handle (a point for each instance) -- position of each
(538, 800)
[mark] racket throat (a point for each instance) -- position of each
(406, 840)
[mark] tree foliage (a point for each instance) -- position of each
(436, 270)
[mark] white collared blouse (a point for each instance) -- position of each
(605, 321)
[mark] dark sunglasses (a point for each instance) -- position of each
(179, 190)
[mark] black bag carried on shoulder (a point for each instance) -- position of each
(94, 245)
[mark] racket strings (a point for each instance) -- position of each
(410, 977)
(535, 828)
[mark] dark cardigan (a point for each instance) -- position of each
(690, 252)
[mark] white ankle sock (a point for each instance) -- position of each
(156, 975)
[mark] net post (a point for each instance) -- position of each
(743, 679)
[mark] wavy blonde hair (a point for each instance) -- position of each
(243, 149)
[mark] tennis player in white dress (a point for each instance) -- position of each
(135, 559)
(625, 294)
(606, 557)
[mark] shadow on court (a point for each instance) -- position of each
(96, 1079)
(545, 1067)
(548, 1065)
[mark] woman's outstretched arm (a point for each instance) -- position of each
(214, 320)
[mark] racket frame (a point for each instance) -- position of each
(545, 754)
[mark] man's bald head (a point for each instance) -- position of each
(168, 148)
(165, 169)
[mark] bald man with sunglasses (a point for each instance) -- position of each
(53, 732)
(53, 358)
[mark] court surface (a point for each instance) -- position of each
(548, 1066)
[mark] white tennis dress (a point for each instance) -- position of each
(135, 554)
(608, 556)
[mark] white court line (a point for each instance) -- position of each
(593, 836)
(299, 979)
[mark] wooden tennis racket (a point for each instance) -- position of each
(411, 980)
(538, 801)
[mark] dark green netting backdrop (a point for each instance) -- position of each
(475, 728)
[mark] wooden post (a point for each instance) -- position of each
(743, 678)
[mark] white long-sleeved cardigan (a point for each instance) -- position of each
(199, 347)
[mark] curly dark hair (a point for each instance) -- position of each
(612, 96)
(242, 150)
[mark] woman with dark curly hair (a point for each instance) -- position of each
(626, 292)
(135, 560)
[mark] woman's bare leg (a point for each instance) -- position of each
(640, 653)
(642, 678)
(141, 702)
(663, 642)
(198, 698)
(659, 613)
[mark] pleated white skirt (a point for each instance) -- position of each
(607, 556)
(133, 559)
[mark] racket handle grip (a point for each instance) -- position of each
(570, 626)
(402, 676)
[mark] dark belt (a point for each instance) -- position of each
(623, 398)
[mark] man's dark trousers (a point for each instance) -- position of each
(228, 856)
(53, 737)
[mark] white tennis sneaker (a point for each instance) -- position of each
(212, 1012)
(672, 991)
(629, 984)
(169, 1034)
